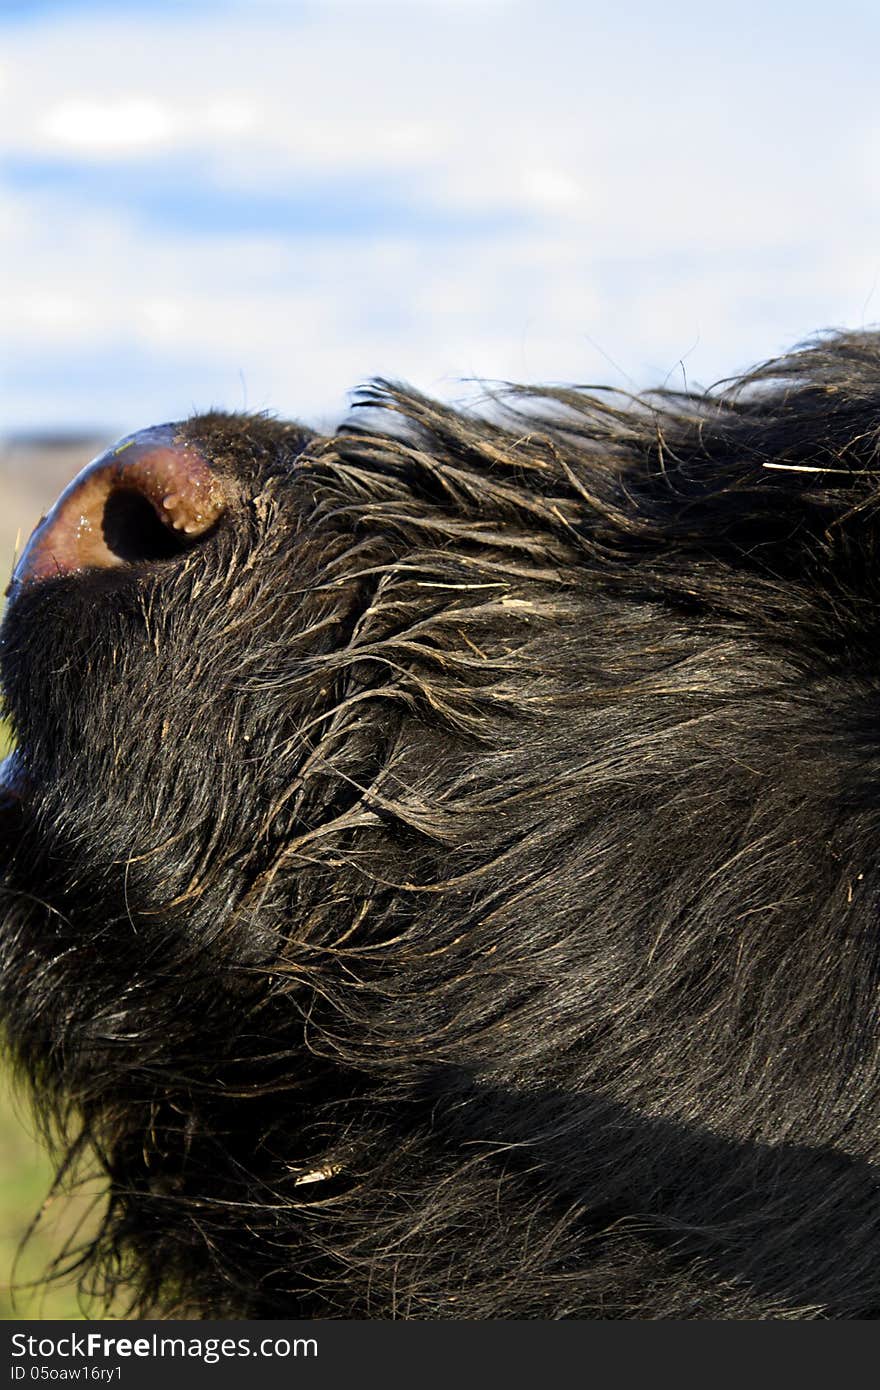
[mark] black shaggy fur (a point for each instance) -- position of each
(451, 888)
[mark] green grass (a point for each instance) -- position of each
(25, 1184)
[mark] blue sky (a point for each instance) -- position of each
(262, 203)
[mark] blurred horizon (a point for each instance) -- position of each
(262, 204)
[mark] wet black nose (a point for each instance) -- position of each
(147, 498)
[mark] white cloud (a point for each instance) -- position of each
(93, 127)
(554, 188)
(105, 127)
(228, 117)
(606, 199)
(554, 111)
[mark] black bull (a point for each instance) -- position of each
(441, 859)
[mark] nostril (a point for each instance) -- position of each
(148, 498)
(133, 532)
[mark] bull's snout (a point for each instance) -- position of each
(147, 498)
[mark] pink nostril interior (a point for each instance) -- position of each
(143, 499)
